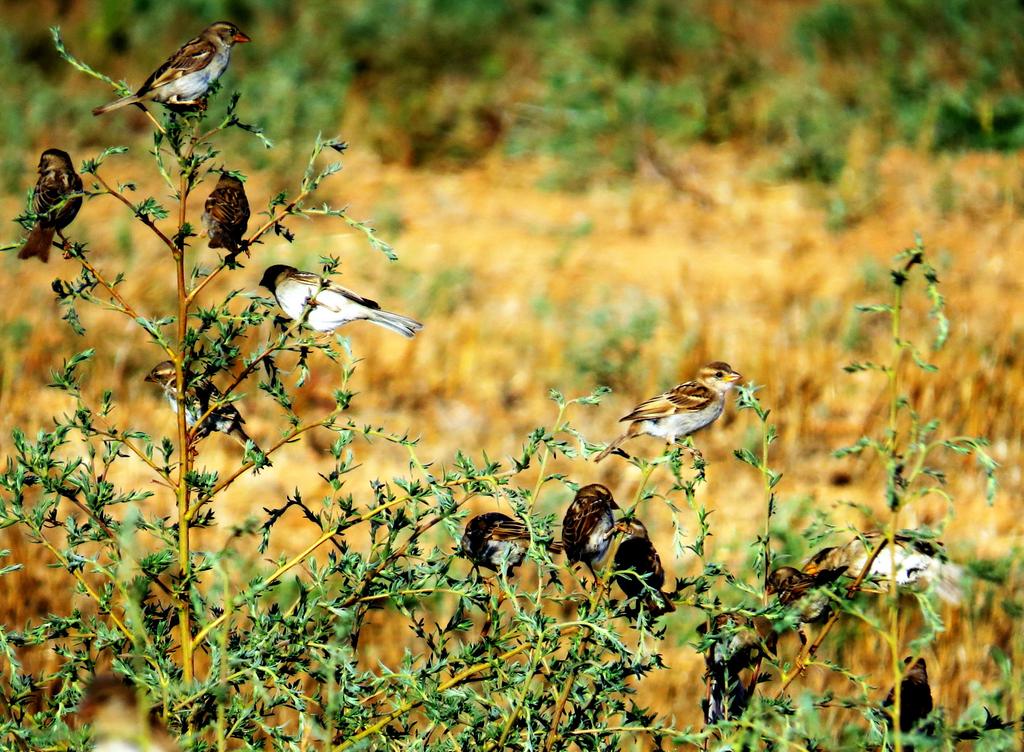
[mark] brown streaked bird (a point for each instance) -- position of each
(54, 201)
(682, 410)
(186, 76)
(918, 562)
(226, 215)
(638, 569)
(589, 526)
(738, 643)
(119, 721)
(795, 588)
(332, 305)
(915, 697)
(492, 538)
(201, 396)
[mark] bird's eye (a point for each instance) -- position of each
(719, 374)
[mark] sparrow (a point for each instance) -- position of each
(493, 540)
(201, 395)
(681, 411)
(738, 643)
(119, 722)
(332, 305)
(915, 697)
(186, 76)
(589, 526)
(796, 588)
(638, 569)
(918, 562)
(50, 200)
(226, 215)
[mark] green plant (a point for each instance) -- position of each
(232, 649)
(235, 651)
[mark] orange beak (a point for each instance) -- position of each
(241, 37)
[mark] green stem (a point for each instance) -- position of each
(544, 459)
(894, 462)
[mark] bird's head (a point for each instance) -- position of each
(227, 180)
(52, 160)
(632, 528)
(226, 33)
(162, 373)
(719, 376)
(781, 579)
(108, 702)
(595, 493)
(274, 274)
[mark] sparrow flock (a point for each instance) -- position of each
(616, 549)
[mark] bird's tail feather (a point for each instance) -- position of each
(38, 243)
(116, 104)
(404, 325)
(948, 581)
(612, 447)
(661, 604)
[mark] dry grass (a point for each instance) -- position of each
(505, 277)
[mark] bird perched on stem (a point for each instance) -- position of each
(329, 305)
(226, 215)
(201, 397)
(119, 722)
(494, 540)
(638, 569)
(737, 644)
(186, 76)
(915, 698)
(917, 561)
(682, 410)
(795, 588)
(589, 526)
(54, 201)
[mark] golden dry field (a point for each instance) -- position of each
(515, 284)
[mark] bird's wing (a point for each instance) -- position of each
(305, 278)
(685, 398)
(509, 530)
(336, 296)
(795, 589)
(573, 531)
(193, 56)
(229, 207)
(50, 191)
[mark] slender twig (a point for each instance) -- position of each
(809, 652)
(405, 707)
(83, 582)
(206, 280)
(184, 440)
(290, 436)
(109, 434)
(112, 536)
(276, 218)
(126, 307)
(144, 218)
(214, 404)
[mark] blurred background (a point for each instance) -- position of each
(584, 193)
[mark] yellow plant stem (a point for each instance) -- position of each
(185, 452)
